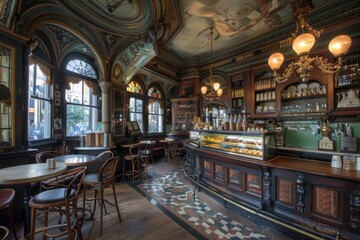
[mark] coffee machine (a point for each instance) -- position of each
(279, 135)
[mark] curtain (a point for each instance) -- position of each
(76, 80)
(45, 69)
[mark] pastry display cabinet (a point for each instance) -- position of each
(260, 146)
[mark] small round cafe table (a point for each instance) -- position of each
(76, 160)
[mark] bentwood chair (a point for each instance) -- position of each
(6, 197)
(134, 159)
(41, 157)
(65, 197)
(98, 182)
(146, 155)
(4, 233)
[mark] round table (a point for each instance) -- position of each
(76, 160)
(26, 174)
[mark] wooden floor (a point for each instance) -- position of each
(140, 220)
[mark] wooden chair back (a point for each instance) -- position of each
(42, 156)
(102, 158)
(107, 173)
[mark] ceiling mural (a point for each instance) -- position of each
(234, 21)
(132, 59)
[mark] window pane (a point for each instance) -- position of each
(81, 67)
(156, 124)
(80, 119)
(39, 120)
(31, 80)
(139, 105)
(74, 95)
(42, 89)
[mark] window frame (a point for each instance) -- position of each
(161, 102)
(93, 106)
(32, 98)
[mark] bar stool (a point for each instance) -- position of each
(98, 182)
(67, 197)
(134, 159)
(6, 197)
(146, 155)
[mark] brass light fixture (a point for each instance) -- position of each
(302, 45)
(212, 89)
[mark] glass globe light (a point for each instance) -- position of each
(303, 43)
(275, 61)
(216, 86)
(339, 45)
(203, 90)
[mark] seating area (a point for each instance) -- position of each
(68, 195)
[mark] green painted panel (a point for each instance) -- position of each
(304, 135)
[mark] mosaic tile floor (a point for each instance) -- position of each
(205, 219)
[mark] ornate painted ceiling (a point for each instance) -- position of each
(163, 35)
(186, 24)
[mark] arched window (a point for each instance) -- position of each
(134, 87)
(136, 103)
(156, 111)
(81, 97)
(39, 101)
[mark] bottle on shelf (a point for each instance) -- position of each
(238, 123)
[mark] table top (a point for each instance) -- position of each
(29, 173)
(129, 145)
(95, 148)
(76, 160)
(166, 140)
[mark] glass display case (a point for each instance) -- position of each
(260, 146)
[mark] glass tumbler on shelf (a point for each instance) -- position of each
(349, 162)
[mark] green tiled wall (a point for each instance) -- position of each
(307, 139)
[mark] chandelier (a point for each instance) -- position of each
(211, 89)
(302, 45)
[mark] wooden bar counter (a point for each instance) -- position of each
(312, 166)
(308, 195)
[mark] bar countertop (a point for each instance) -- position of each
(313, 167)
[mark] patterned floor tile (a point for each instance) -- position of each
(176, 196)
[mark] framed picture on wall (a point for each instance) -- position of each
(57, 102)
(129, 126)
(136, 126)
(57, 94)
(57, 123)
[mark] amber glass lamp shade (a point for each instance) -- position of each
(203, 90)
(275, 61)
(216, 86)
(339, 45)
(219, 92)
(303, 43)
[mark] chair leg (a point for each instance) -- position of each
(83, 206)
(116, 203)
(33, 224)
(68, 221)
(124, 170)
(76, 216)
(11, 218)
(102, 209)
